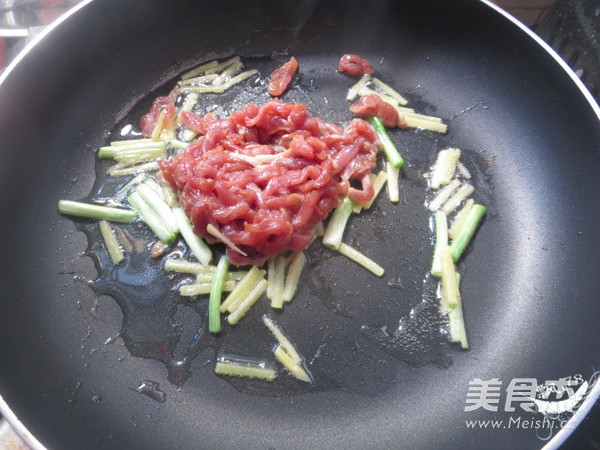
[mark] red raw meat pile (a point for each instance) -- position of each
(266, 175)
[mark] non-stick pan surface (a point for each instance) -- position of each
(530, 281)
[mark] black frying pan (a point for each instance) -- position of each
(530, 280)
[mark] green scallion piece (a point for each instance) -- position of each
(466, 231)
(151, 218)
(337, 224)
(158, 204)
(392, 153)
(98, 212)
(198, 247)
(216, 289)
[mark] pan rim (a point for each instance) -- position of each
(39, 37)
(19, 427)
(562, 63)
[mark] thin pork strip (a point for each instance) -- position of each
(267, 174)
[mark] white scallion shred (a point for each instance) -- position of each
(199, 70)
(225, 366)
(319, 229)
(223, 65)
(113, 247)
(353, 91)
(188, 135)
(223, 87)
(337, 223)
(228, 73)
(359, 258)
(188, 290)
(364, 90)
(463, 170)
(126, 189)
(270, 277)
(456, 322)
(231, 276)
(242, 289)
(444, 167)
(421, 117)
(119, 169)
(283, 340)
(443, 195)
(121, 142)
(388, 90)
(293, 276)
(201, 80)
(403, 110)
(460, 218)
(159, 125)
(190, 100)
(152, 194)
(457, 198)
(169, 195)
(132, 144)
(441, 242)
(184, 266)
(131, 157)
(292, 366)
(430, 125)
(393, 176)
(245, 305)
(278, 282)
(450, 291)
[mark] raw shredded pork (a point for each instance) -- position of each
(282, 77)
(372, 105)
(166, 104)
(354, 65)
(266, 175)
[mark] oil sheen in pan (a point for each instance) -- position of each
(338, 331)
